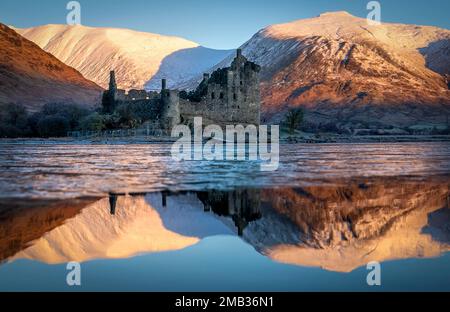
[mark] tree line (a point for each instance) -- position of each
(56, 119)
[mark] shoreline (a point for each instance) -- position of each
(323, 139)
(368, 139)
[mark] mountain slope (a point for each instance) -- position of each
(32, 77)
(137, 57)
(345, 71)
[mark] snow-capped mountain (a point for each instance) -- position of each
(345, 70)
(140, 59)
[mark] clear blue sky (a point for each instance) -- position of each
(221, 24)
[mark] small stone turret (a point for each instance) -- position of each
(109, 96)
(170, 107)
(112, 81)
(239, 61)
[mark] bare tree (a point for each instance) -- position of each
(294, 118)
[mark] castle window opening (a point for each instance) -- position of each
(221, 95)
(213, 95)
(234, 97)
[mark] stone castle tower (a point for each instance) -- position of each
(228, 96)
(109, 100)
(243, 89)
(112, 81)
(170, 107)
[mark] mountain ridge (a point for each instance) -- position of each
(33, 77)
(140, 59)
(345, 71)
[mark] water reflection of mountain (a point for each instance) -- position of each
(139, 225)
(22, 222)
(338, 226)
(345, 226)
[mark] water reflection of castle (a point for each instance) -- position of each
(242, 205)
(338, 226)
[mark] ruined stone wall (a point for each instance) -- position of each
(152, 105)
(135, 95)
(225, 105)
(231, 96)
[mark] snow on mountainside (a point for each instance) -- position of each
(338, 227)
(33, 77)
(140, 225)
(343, 227)
(345, 70)
(137, 57)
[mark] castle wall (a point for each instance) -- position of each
(135, 95)
(153, 104)
(234, 99)
(236, 102)
(216, 113)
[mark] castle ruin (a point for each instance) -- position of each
(227, 96)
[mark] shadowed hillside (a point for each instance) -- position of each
(33, 77)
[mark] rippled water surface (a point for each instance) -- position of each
(137, 220)
(65, 170)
